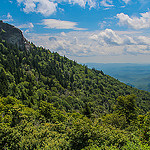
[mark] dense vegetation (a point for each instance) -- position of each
(50, 102)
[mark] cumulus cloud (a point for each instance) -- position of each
(44, 7)
(128, 40)
(142, 22)
(110, 37)
(59, 24)
(85, 43)
(106, 3)
(82, 3)
(48, 7)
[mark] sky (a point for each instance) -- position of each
(98, 31)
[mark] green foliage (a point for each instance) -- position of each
(144, 127)
(3, 83)
(50, 102)
(135, 146)
(87, 110)
(50, 112)
(126, 106)
(25, 75)
(115, 120)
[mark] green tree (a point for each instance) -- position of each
(87, 110)
(3, 83)
(126, 105)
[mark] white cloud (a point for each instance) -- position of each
(128, 40)
(52, 38)
(110, 37)
(134, 22)
(58, 24)
(44, 7)
(8, 18)
(28, 25)
(85, 43)
(48, 7)
(94, 37)
(20, 1)
(82, 3)
(106, 3)
(142, 40)
(102, 24)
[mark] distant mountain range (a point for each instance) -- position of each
(136, 75)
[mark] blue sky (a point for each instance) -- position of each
(105, 31)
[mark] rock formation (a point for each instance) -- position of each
(13, 35)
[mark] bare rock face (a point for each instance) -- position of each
(14, 36)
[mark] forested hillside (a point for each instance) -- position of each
(50, 102)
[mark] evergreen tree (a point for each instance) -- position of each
(3, 83)
(87, 110)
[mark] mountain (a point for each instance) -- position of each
(136, 75)
(50, 102)
(13, 35)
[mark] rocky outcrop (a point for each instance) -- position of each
(13, 35)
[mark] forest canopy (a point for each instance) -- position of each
(50, 102)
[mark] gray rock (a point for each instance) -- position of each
(14, 36)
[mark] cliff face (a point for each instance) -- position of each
(13, 35)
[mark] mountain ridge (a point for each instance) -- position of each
(50, 102)
(65, 75)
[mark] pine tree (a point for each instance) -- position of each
(3, 83)
(87, 110)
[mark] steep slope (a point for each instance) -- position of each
(50, 102)
(42, 75)
(13, 35)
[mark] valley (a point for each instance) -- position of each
(136, 75)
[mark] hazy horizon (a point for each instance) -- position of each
(136, 75)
